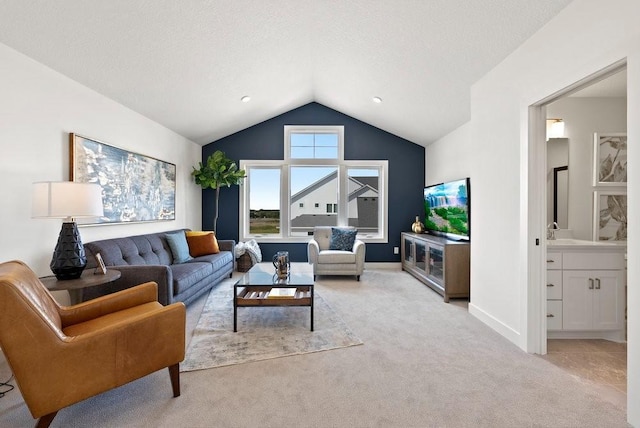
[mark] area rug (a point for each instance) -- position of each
(263, 332)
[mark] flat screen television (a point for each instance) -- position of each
(447, 208)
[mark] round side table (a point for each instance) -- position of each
(75, 286)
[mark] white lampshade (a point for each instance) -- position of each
(66, 199)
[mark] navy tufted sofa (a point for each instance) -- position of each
(148, 257)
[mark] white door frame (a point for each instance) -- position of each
(537, 212)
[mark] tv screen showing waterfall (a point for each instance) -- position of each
(447, 209)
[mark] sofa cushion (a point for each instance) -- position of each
(218, 261)
(179, 248)
(187, 274)
(342, 239)
(149, 249)
(202, 243)
(336, 257)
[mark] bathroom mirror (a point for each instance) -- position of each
(558, 182)
(561, 196)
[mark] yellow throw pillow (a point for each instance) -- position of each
(202, 243)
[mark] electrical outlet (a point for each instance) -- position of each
(396, 250)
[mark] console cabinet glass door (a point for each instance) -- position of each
(409, 257)
(436, 267)
(421, 255)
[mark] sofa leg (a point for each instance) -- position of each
(357, 277)
(46, 420)
(174, 373)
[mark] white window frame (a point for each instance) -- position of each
(285, 191)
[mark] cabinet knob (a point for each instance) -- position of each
(550, 316)
(597, 283)
(550, 285)
(590, 283)
(550, 261)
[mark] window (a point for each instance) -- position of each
(313, 144)
(281, 199)
(263, 193)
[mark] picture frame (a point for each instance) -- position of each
(610, 215)
(135, 188)
(101, 268)
(610, 159)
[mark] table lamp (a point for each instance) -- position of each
(67, 200)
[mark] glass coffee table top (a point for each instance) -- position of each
(255, 287)
(264, 274)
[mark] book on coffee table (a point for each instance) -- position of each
(281, 293)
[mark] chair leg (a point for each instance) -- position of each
(46, 420)
(314, 277)
(174, 373)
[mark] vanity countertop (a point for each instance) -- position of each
(570, 243)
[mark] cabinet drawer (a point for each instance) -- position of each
(592, 261)
(554, 314)
(554, 260)
(554, 285)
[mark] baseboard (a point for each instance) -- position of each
(383, 265)
(497, 325)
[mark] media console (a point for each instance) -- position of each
(440, 263)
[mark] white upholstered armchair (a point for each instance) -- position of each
(330, 252)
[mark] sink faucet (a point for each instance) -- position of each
(551, 234)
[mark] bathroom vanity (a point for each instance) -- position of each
(586, 293)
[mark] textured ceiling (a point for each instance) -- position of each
(186, 64)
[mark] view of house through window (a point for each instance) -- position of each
(312, 186)
(364, 208)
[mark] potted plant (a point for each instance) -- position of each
(218, 171)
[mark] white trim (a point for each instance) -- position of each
(313, 129)
(534, 313)
(285, 197)
(494, 323)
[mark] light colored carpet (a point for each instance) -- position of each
(424, 363)
(263, 332)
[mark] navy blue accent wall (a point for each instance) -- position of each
(361, 141)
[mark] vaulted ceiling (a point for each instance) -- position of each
(186, 64)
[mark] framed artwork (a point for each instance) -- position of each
(101, 268)
(135, 187)
(610, 215)
(610, 159)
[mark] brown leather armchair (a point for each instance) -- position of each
(61, 355)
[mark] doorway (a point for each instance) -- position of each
(604, 85)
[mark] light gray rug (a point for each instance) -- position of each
(263, 332)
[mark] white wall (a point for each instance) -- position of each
(449, 158)
(39, 108)
(587, 36)
(583, 117)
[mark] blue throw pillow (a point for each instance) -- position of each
(342, 239)
(179, 248)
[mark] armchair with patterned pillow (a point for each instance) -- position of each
(336, 251)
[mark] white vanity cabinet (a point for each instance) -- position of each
(586, 292)
(593, 300)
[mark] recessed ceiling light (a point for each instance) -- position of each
(377, 100)
(245, 99)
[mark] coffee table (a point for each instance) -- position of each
(252, 290)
